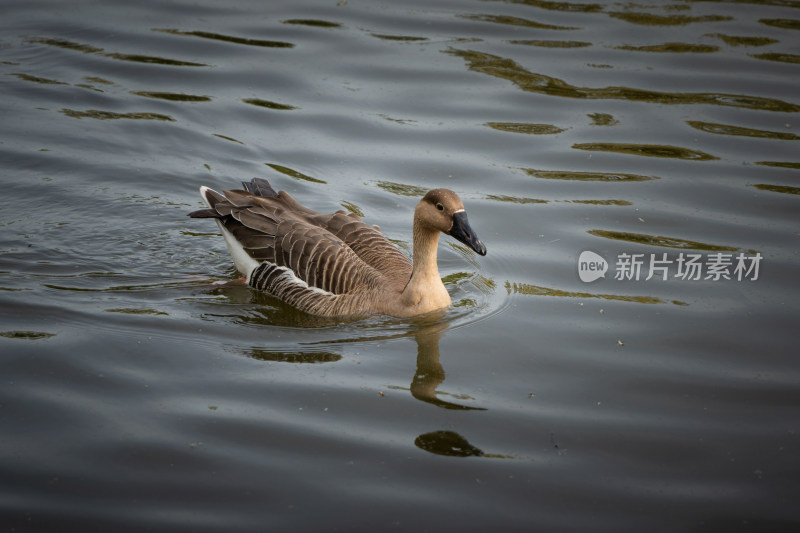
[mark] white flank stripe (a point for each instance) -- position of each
(290, 277)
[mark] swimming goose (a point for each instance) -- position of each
(331, 265)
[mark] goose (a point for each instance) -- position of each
(336, 264)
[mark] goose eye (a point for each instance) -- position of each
(440, 207)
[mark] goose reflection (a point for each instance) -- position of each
(426, 330)
(429, 373)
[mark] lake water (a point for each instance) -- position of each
(141, 391)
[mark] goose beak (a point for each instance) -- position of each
(462, 231)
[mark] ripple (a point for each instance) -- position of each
(526, 80)
(650, 19)
(67, 45)
(726, 129)
(603, 119)
(401, 38)
(735, 40)
(658, 240)
(401, 189)
(522, 127)
(448, 443)
(600, 202)
(316, 23)
(524, 200)
(137, 58)
(231, 139)
(536, 290)
(515, 21)
(552, 5)
(268, 104)
(785, 189)
(672, 48)
(647, 150)
(787, 24)
(137, 311)
(586, 176)
(38, 79)
(781, 58)
(26, 335)
(173, 97)
(514, 199)
(302, 357)
(286, 171)
(551, 44)
(780, 164)
(110, 115)
(227, 38)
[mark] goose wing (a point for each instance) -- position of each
(284, 241)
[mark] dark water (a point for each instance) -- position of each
(139, 395)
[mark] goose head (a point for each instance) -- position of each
(442, 210)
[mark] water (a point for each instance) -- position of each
(138, 393)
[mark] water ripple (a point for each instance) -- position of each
(526, 80)
(227, 38)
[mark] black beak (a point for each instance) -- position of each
(464, 233)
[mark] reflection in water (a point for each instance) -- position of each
(514, 199)
(672, 48)
(110, 115)
(777, 188)
(401, 189)
(228, 38)
(551, 44)
(585, 176)
(136, 58)
(231, 139)
(603, 119)
(426, 330)
(523, 200)
(516, 21)
(554, 5)
(726, 129)
(775, 56)
(734, 40)
(407, 38)
(38, 79)
(647, 150)
(787, 24)
(268, 104)
(173, 97)
(313, 22)
(430, 373)
(521, 127)
(447, 443)
(286, 171)
(780, 164)
(293, 357)
(452, 444)
(137, 311)
(658, 240)
(28, 335)
(526, 80)
(535, 290)
(650, 19)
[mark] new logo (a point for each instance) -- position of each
(591, 266)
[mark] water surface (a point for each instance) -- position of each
(140, 391)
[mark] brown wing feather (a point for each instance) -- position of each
(368, 243)
(268, 231)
